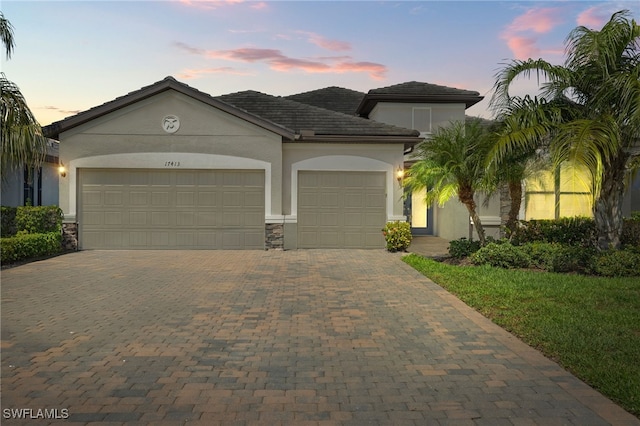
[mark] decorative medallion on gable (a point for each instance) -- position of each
(171, 123)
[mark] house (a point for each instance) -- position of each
(33, 186)
(170, 167)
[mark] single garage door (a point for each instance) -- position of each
(341, 209)
(171, 209)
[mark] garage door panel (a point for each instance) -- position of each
(185, 219)
(341, 209)
(253, 199)
(374, 200)
(253, 220)
(353, 199)
(232, 199)
(160, 198)
(113, 218)
(92, 197)
(93, 218)
(328, 219)
(138, 218)
(185, 239)
(353, 219)
(138, 198)
(329, 239)
(207, 198)
(185, 199)
(206, 219)
(159, 219)
(329, 199)
(171, 209)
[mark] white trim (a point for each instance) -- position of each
(281, 219)
(157, 160)
(343, 163)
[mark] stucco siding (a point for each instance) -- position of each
(133, 137)
(410, 115)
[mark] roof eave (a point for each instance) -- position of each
(408, 141)
(370, 100)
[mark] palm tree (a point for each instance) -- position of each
(519, 163)
(22, 139)
(588, 113)
(452, 163)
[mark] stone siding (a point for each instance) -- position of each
(274, 236)
(70, 236)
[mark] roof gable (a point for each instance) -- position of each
(169, 83)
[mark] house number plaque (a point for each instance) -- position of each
(170, 123)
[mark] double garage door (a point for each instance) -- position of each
(171, 209)
(224, 209)
(341, 209)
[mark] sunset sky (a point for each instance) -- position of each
(73, 55)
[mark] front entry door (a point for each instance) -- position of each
(419, 215)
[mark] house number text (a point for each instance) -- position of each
(172, 164)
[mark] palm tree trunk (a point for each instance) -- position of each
(466, 197)
(607, 209)
(515, 195)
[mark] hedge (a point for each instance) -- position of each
(30, 232)
(27, 246)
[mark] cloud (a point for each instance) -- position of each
(189, 74)
(595, 16)
(375, 71)
(60, 110)
(320, 41)
(278, 61)
(522, 34)
(539, 21)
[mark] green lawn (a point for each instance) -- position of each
(590, 325)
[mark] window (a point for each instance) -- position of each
(564, 193)
(32, 187)
(421, 119)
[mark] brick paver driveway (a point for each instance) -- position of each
(300, 337)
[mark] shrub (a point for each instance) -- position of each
(631, 231)
(40, 219)
(543, 254)
(463, 248)
(397, 235)
(26, 246)
(503, 255)
(573, 231)
(617, 263)
(8, 217)
(556, 257)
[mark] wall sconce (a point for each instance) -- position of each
(62, 170)
(400, 175)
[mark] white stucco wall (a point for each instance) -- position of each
(402, 114)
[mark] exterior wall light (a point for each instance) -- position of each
(62, 170)
(400, 175)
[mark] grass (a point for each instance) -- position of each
(589, 325)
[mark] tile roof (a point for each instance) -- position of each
(418, 88)
(332, 98)
(417, 92)
(308, 119)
